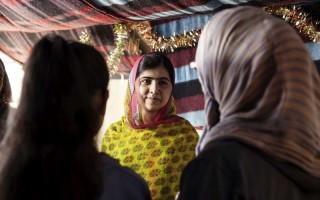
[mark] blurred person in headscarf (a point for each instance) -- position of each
(262, 101)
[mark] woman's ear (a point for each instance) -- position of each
(100, 101)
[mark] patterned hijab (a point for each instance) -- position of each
(166, 115)
(260, 86)
(5, 93)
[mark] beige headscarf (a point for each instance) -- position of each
(260, 86)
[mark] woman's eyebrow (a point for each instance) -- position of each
(149, 77)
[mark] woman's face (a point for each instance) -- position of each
(154, 88)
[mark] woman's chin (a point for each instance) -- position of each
(153, 108)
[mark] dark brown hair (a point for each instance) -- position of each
(154, 60)
(51, 140)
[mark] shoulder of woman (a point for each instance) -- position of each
(116, 126)
(187, 124)
(118, 178)
(111, 164)
(185, 121)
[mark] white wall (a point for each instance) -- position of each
(115, 108)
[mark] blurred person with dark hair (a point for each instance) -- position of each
(49, 150)
(5, 98)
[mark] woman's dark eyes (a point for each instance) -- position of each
(146, 81)
(149, 81)
(163, 82)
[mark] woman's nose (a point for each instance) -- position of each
(154, 88)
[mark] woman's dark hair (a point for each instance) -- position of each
(5, 97)
(5, 92)
(154, 60)
(50, 146)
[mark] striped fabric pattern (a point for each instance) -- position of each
(24, 22)
(187, 90)
(19, 44)
(141, 10)
(47, 15)
(314, 50)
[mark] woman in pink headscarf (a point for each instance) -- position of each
(262, 100)
(150, 138)
(5, 98)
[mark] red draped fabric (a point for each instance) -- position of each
(24, 22)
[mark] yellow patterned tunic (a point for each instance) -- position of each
(158, 151)
(158, 154)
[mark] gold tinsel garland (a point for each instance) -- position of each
(157, 42)
(121, 39)
(85, 37)
(298, 19)
(293, 15)
(163, 44)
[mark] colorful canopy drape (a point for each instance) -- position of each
(24, 22)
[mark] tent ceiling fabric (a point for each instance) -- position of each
(47, 15)
(161, 9)
(24, 22)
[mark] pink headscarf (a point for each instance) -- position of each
(167, 114)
